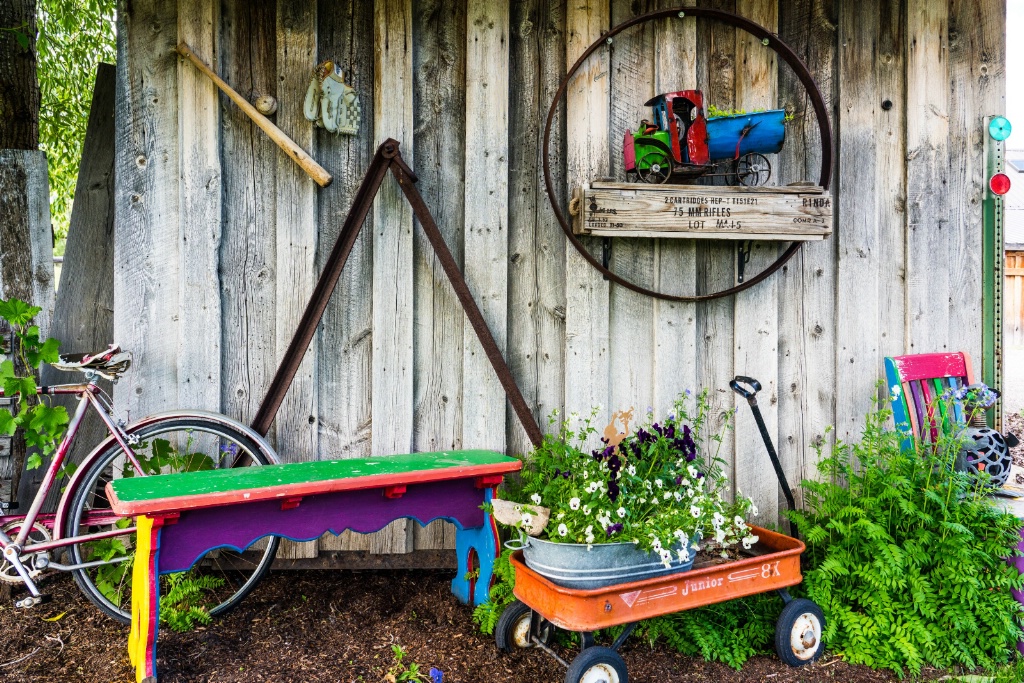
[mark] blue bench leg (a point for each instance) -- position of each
(483, 541)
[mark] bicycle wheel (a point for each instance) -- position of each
(170, 444)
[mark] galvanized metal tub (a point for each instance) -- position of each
(573, 565)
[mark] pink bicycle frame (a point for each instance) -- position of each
(87, 394)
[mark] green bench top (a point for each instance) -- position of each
(207, 488)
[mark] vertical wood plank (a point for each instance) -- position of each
(587, 156)
(345, 342)
(295, 425)
(392, 397)
(536, 271)
(248, 249)
(631, 315)
(929, 232)
(891, 181)
(199, 212)
(756, 322)
(807, 297)
(716, 262)
(440, 63)
(146, 252)
(83, 314)
(977, 54)
(858, 266)
(486, 231)
(675, 324)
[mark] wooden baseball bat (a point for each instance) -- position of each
(290, 147)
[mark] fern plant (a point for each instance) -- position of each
(908, 556)
(184, 606)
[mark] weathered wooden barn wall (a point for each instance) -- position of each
(220, 237)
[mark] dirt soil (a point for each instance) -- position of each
(334, 626)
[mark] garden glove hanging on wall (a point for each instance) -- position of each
(330, 102)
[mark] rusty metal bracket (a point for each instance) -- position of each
(387, 158)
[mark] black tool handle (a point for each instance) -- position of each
(737, 385)
(751, 396)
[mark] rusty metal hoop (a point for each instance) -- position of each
(767, 38)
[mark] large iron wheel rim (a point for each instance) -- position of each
(752, 170)
(241, 572)
(769, 39)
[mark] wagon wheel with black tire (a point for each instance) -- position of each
(597, 665)
(654, 167)
(798, 632)
(515, 626)
(752, 170)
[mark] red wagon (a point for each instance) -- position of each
(773, 563)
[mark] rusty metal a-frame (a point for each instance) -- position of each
(387, 158)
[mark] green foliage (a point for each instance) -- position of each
(906, 556)
(400, 671)
(43, 425)
(112, 580)
(74, 35)
(486, 615)
(185, 604)
(729, 632)
(714, 111)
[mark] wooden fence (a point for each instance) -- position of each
(219, 236)
(1013, 299)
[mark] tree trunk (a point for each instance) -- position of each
(19, 86)
(24, 195)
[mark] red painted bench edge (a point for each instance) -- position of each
(157, 506)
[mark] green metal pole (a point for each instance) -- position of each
(992, 270)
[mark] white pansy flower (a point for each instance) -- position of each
(750, 540)
(667, 495)
(536, 498)
(659, 483)
(632, 470)
(678, 496)
(719, 536)
(683, 554)
(589, 530)
(753, 509)
(689, 493)
(561, 515)
(738, 521)
(647, 483)
(527, 519)
(563, 530)
(593, 486)
(586, 509)
(695, 511)
(717, 520)
(574, 503)
(621, 512)
(692, 470)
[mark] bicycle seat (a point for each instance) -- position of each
(109, 364)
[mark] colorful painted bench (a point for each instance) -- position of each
(181, 517)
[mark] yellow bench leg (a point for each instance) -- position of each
(145, 600)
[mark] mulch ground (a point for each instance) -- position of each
(334, 626)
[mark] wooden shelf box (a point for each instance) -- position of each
(792, 213)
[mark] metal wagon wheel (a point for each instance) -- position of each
(771, 41)
(658, 167)
(752, 170)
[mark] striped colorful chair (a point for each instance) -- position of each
(915, 382)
